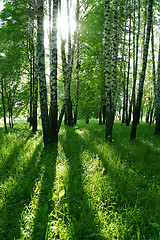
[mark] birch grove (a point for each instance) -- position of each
(101, 69)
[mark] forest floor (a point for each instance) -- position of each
(82, 187)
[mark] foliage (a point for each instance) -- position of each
(15, 33)
(83, 188)
(91, 59)
(14, 62)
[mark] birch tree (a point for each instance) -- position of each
(109, 106)
(122, 61)
(157, 98)
(35, 96)
(114, 51)
(154, 76)
(128, 71)
(53, 75)
(4, 106)
(41, 73)
(135, 59)
(68, 95)
(77, 64)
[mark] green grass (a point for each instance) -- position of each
(82, 188)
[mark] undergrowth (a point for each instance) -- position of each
(82, 187)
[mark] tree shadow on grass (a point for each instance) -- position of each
(133, 170)
(2, 134)
(84, 224)
(45, 204)
(19, 196)
(10, 163)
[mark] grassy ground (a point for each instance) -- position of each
(82, 188)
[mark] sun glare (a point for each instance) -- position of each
(63, 20)
(62, 23)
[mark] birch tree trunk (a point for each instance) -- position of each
(10, 107)
(124, 99)
(135, 61)
(144, 28)
(35, 96)
(151, 114)
(4, 107)
(121, 66)
(134, 83)
(157, 101)
(50, 29)
(41, 74)
(64, 70)
(128, 72)
(110, 85)
(114, 50)
(109, 105)
(67, 72)
(136, 113)
(31, 85)
(69, 102)
(53, 75)
(64, 62)
(154, 77)
(77, 65)
(153, 62)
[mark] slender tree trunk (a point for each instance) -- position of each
(154, 77)
(135, 61)
(121, 66)
(104, 113)
(128, 72)
(137, 46)
(31, 85)
(9, 107)
(11, 118)
(87, 119)
(67, 81)
(69, 102)
(109, 109)
(100, 115)
(67, 72)
(53, 76)
(50, 33)
(149, 109)
(76, 97)
(41, 74)
(70, 116)
(124, 99)
(77, 66)
(114, 51)
(151, 115)
(4, 107)
(144, 28)
(157, 102)
(64, 70)
(35, 94)
(136, 113)
(64, 104)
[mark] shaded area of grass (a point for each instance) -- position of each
(45, 204)
(133, 170)
(18, 188)
(84, 225)
(15, 147)
(82, 188)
